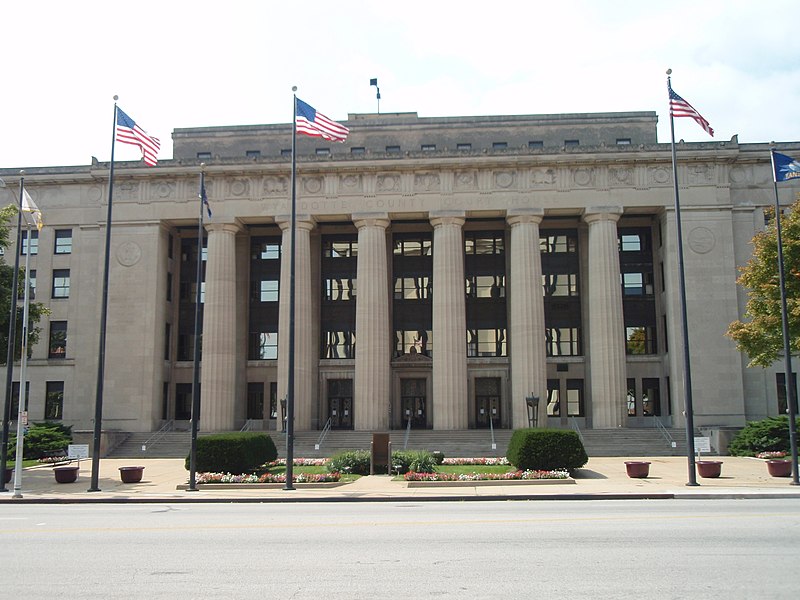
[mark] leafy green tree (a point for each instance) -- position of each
(760, 335)
(36, 309)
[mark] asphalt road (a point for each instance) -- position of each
(569, 549)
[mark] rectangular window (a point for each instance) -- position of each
(535, 144)
(630, 243)
(651, 397)
(560, 284)
(58, 340)
(15, 398)
(558, 243)
(486, 342)
(34, 243)
(203, 155)
(484, 244)
(286, 152)
(562, 341)
(169, 287)
(253, 153)
(413, 342)
(186, 346)
(631, 397)
(273, 400)
(428, 147)
(499, 145)
(323, 151)
(412, 247)
(340, 248)
(553, 398)
(640, 340)
(60, 283)
(574, 397)
(339, 344)
(463, 147)
(357, 150)
(780, 385)
(183, 401)
(255, 400)
(268, 290)
(486, 286)
(340, 289)
(31, 285)
(167, 340)
(413, 288)
(263, 345)
(165, 401)
(623, 141)
(637, 284)
(63, 241)
(571, 143)
(266, 251)
(54, 401)
(392, 149)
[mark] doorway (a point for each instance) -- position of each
(340, 403)
(487, 402)
(413, 403)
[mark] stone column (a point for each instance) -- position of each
(450, 392)
(218, 373)
(526, 327)
(373, 337)
(304, 348)
(606, 324)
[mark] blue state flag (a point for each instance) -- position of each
(786, 167)
(205, 200)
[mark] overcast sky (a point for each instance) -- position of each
(178, 63)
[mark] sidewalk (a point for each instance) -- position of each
(601, 478)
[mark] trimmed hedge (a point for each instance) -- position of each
(767, 435)
(42, 439)
(546, 449)
(240, 452)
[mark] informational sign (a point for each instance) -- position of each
(78, 451)
(702, 444)
(24, 418)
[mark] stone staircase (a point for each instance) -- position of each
(464, 443)
(172, 444)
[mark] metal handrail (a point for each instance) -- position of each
(491, 428)
(166, 427)
(248, 425)
(408, 433)
(323, 435)
(573, 422)
(664, 431)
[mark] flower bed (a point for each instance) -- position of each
(299, 462)
(476, 461)
(514, 475)
(776, 454)
(267, 478)
(51, 460)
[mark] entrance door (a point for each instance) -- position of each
(413, 403)
(487, 402)
(340, 403)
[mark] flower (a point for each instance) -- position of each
(513, 475)
(772, 454)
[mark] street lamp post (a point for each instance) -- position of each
(532, 404)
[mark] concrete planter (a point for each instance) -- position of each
(131, 474)
(637, 469)
(67, 474)
(709, 468)
(779, 468)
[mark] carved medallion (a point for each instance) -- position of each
(702, 240)
(128, 254)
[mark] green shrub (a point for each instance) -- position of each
(41, 440)
(355, 462)
(546, 449)
(419, 461)
(438, 456)
(240, 452)
(767, 435)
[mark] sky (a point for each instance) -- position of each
(177, 63)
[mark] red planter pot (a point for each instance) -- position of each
(66, 474)
(9, 474)
(637, 469)
(131, 474)
(779, 468)
(709, 468)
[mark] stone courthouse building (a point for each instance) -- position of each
(446, 269)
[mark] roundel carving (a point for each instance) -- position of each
(660, 175)
(583, 176)
(128, 254)
(240, 187)
(504, 179)
(702, 240)
(313, 185)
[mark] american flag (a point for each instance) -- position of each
(204, 198)
(678, 107)
(128, 132)
(313, 123)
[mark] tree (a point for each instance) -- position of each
(760, 335)
(36, 310)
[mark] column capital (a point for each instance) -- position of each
(517, 216)
(439, 218)
(367, 219)
(592, 214)
(223, 227)
(306, 222)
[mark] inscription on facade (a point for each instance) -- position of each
(276, 185)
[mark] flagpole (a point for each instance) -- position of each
(791, 394)
(101, 353)
(687, 370)
(290, 378)
(23, 371)
(12, 328)
(196, 377)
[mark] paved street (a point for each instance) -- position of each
(594, 549)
